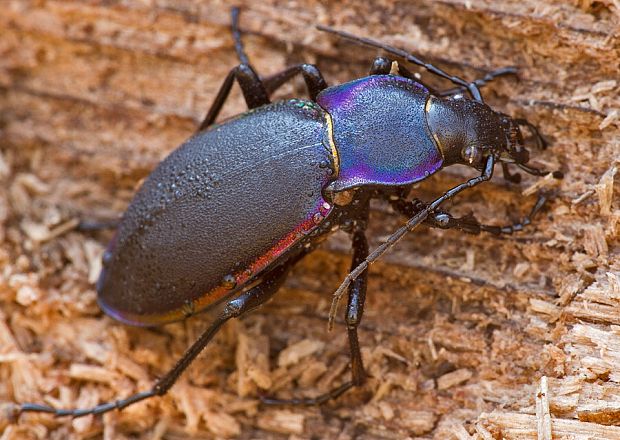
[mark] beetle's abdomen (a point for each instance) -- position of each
(217, 212)
(380, 131)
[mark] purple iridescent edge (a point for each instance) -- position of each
(342, 96)
(364, 163)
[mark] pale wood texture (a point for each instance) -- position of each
(464, 337)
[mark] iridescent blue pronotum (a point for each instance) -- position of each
(219, 223)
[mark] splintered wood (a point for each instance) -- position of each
(463, 337)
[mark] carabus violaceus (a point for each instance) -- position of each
(222, 219)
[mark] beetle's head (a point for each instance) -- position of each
(468, 132)
(513, 151)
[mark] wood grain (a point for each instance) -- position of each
(461, 334)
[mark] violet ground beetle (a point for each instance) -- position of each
(221, 221)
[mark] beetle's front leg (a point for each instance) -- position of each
(381, 66)
(467, 223)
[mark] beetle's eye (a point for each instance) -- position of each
(471, 154)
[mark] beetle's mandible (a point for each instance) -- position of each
(221, 221)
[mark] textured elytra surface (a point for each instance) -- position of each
(458, 330)
(215, 206)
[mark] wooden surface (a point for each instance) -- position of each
(463, 337)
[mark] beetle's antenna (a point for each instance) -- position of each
(243, 58)
(471, 87)
(411, 224)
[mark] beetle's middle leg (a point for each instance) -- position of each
(353, 317)
(355, 305)
(255, 90)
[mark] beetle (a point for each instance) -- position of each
(220, 222)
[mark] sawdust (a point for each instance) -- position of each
(463, 337)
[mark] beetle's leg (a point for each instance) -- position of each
(353, 317)
(96, 225)
(312, 76)
(244, 303)
(481, 82)
(381, 66)
(467, 223)
(471, 87)
(355, 306)
(256, 91)
(412, 223)
(251, 86)
(236, 33)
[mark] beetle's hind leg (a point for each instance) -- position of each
(255, 90)
(242, 304)
(251, 85)
(312, 76)
(236, 33)
(85, 225)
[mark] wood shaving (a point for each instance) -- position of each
(543, 416)
(458, 330)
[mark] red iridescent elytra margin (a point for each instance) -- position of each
(241, 278)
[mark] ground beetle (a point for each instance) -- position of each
(222, 220)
